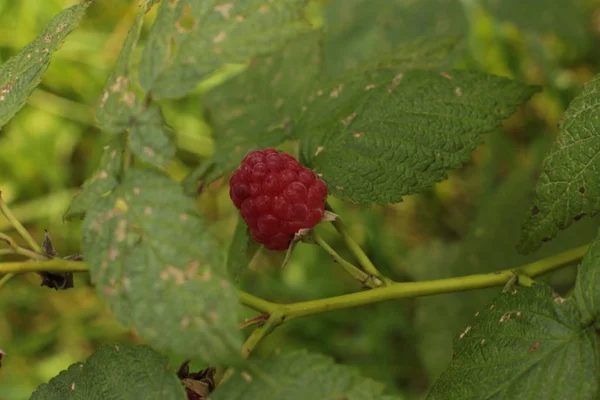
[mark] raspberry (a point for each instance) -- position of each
(277, 196)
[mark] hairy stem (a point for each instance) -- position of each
(356, 272)
(357, 251)
(19, 227)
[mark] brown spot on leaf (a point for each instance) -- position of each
(458, 91)
(581, 190)
(220, 37)
(534, 347)
(224, 9)
(535, 210)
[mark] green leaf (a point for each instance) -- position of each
(299, 375)
(191, 39)
(529, 343)
(255, 110)
(587, 286)
(489, 245)
(154, 261)
(151, 140)
(360, 30)
(562, 18)
(23, 72)
(568, 187)
(383, 133)
(119, 101)
(115, 372)
(100, 183)
(241, 250)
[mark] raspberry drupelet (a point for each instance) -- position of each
(277, 196)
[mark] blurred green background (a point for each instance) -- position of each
(466, 224)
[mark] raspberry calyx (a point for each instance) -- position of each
(277, 197)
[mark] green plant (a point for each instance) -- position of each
(385, 119)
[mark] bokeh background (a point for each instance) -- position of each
(466, 224)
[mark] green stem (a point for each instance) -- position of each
(6, 278)
(357, 273)
(259, 333)
(255, 303)
(16, 249)
(399, 290)
(53, 265)
(357, 251)
(19, 228)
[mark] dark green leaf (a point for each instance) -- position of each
(118, 372)
(528, 344)
(299, 376)
(100, 183)
(191, 39)
(23, 72)
(360, 30)
(587, 287)
(488, 246)
(568, 187)
(119, 102)
(151, 140)
(159, 268)
(562, 18)
(387, 132)
(241, 250)
(255, 109)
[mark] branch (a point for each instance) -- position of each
(357, 251)
(366, 280)
(19, 227)
(399, 290)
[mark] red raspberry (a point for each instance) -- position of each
(277, 196)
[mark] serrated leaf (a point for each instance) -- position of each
(241, 250)
(23, 72)
(191, 39)
(587, 286)
(117, 372)
(568, 188)
(159, 268)
(562, 18)
(488, 246)
(360, 30)
(299, 375)
(100, 183)
(378, 135)
(151, 140)
(529, 343)
(255, 110)
(119, 101)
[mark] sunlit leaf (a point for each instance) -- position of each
(23, 72)
(191, 39)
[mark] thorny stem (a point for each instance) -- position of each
(356, 250)
(399, 290)
(369, 281)
(19, 227)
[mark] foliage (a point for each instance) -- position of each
(430, 161)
